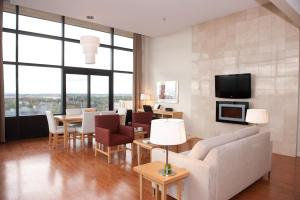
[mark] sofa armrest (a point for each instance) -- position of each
(102, 135)
(127, 130)
(199, 183)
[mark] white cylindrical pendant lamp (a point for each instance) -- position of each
(90, 46)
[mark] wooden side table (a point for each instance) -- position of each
(150, 172)
(140, 144)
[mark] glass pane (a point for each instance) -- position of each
(123, 60)
(121, 41)
(39, 50)
(99, 92)
(10, 90)
(39, 26)
(39, 90)
(123, 90)
(75, 32)
(76, 91)
(9, 20)
(9, 46)
(75, 58)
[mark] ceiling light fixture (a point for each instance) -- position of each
(90, 46)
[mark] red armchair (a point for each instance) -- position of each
(109, 133)
(142, 119)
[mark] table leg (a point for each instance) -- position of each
(141, 187)
(179, 190)
(163, 193)
(139, 154)
(156, 191)
(65, 133)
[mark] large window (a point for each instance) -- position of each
(39, 90)
(123, 87)
(44, 66)
(10, 90)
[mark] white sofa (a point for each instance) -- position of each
(226, 164)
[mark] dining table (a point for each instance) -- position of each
(66, 120)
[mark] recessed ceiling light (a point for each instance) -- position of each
(90, 17)
(164, 19)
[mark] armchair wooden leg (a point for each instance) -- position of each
(49, 138)
(108, 155)
(55, 140)
(96, 149)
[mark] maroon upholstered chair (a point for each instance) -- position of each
(109, 133)
(142, 119)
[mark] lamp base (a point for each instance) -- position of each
(163, 172)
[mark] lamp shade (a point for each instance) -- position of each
(90, 46)
(167, 132)
(257, 116)
(145, 97)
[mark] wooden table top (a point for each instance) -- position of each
(151, 171)
(69, 118)
(145, 145)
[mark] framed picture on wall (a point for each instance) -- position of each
(167, 91)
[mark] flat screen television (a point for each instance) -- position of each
(234, 86)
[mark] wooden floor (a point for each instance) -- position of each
(30, 170)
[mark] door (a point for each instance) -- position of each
(86, 90)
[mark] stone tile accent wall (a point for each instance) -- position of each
(259, 41)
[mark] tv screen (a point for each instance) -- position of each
(235, 86)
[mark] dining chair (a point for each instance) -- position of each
(108, 112)
(87, 129)
(55, 132)
(73, 111)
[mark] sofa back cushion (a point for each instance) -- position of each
(246, 132)
(201, 148)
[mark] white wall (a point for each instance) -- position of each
(255, 41)
(170, 58)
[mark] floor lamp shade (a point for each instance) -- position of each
(257, 116)
(167, 132)
(90, 46)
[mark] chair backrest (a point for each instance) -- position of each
(89, 110)
(73, 111)
(122, 111)
(128, 117)
(147, 108)
(142, 117)
(111, 122)
(88, 122)
(108, 112)
(51, 121)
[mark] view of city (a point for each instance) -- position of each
(37, 104)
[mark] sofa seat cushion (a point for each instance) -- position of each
(201, 148)
(246, 132)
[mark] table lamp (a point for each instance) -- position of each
(145, 97)
(257, 116)
(167, 132)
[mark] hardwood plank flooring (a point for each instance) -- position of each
(29, 169)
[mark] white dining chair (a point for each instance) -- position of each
(87, 129)
(55, 132)
(108, 112)
(73, 111)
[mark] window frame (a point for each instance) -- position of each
(65, 69)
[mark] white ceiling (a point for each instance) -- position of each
(142, 16)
